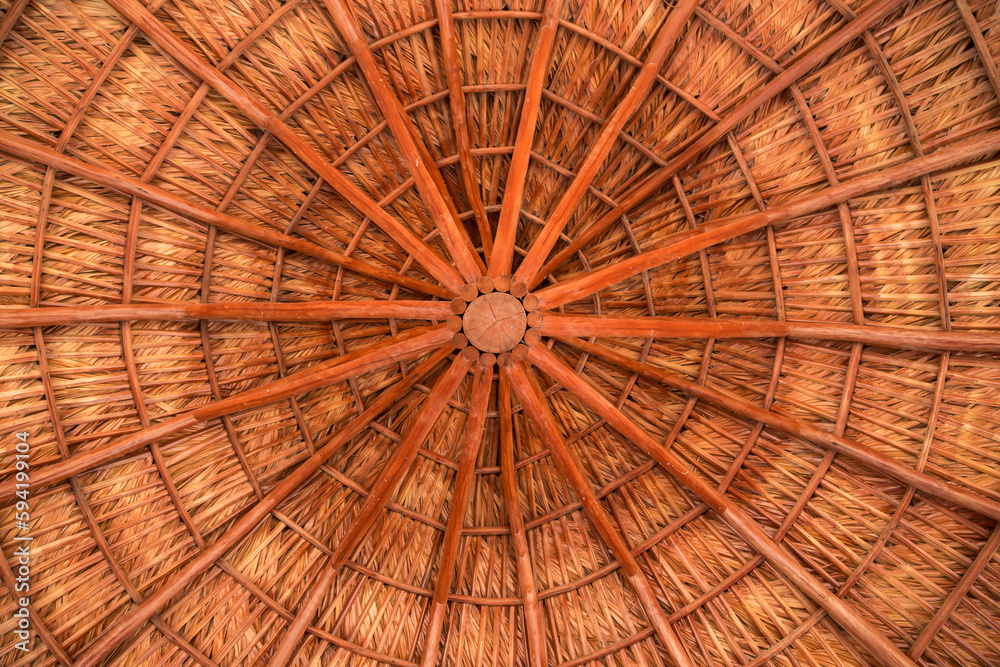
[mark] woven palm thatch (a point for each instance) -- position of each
(482, 332)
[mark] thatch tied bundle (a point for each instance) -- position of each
(482, 332)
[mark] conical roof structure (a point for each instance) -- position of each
(534, 333)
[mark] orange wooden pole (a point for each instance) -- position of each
(232, 311)
(386, 485)
(475, 431)
(269, 121)
(534, 405)
(404, 346)
(416, 156)
(866, 634)
(780, 82)
(99, 650)
(661, 47)
(907, 338)
(682, 244)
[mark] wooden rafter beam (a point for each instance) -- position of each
(798, 428)
(510, 210)
(684, 243)
(28, 150)
(403, 346)
(718, 132)
(737, 518)
(662, 46)
(99, 650)
(912, 338)
(388, 479)
(534, 625)
(418, 159)
(267, 120)
(459, 121)
(536, 408)
(233, 311)
(475, 430)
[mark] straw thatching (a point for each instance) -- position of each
(501, 332)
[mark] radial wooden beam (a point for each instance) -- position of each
(416, 156)
(510, 210)
(798, 428)
(459, 121)
(912, 338)
(99, 650)
(235, 311)
(475, 430)
(388, 479)
(866, 634)
(267, 120)
(956, 596)
(536, 408)
(778, 84)
(684, 243)
(24, 149)
(403, 346)
(533, 623)
(641, 84)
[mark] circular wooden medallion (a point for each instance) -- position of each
(495, 322)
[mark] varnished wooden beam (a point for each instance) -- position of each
(863, 631)
(28, 150)
(534, 625)
(779, 83)
(403, 346)
(267, 120)
(684, 243)
(798, 428)
(510, 210)
(475, 431)
(232, 311)
(388, 480)
(123, 627)
(415, 154)
(536, 408)
(459, 121)
(906, 338)
(662, 46)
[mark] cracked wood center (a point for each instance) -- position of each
(495, 322)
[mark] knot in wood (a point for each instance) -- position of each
(495, 322)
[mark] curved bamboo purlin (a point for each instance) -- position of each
(543, 333)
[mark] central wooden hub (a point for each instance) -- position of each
(495, 322)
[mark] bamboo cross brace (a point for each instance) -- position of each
(269, 121)
(475, 431)
(737, 518)
(35, 152)
(662, 46)
(418, 159)
(798, 428)
(510, 209)
(531, 397)
(405, 345)
(684, 243)
(780, 82)
(98, 651)
(230, 311)
(907, 338)
(388, 479)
